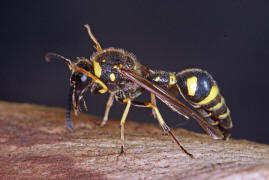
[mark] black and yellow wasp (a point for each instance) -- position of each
(119, 73)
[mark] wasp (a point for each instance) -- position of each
(119, 73)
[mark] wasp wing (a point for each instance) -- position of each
(172, 102)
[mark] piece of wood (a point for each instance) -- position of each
(35, 144)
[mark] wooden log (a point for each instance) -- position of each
(35, 144)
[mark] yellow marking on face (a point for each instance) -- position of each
(224, 115)
(157, 79)
(103, 61)
(172, 79)
(135, 67)
(214, 91)
(112, 77)
(192, 85)
(217, 106)
(97, 69)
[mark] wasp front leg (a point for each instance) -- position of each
(108, 106)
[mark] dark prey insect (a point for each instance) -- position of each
(119, 73)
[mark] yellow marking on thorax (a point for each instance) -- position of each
(103, 61)
(214, 91)
(157, 79)
(117, 66)
(135, 67)
(112, 77)
(224, 115)
(172, 79)
(97, 69)
(192, 85)
(218, 105)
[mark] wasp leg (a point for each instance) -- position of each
(122, 122)
(85, 105)
(153, 101)
(162, 123)
(108, 106)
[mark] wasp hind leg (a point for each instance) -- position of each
(153, 101)
(162, 123)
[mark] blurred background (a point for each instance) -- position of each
(229, 39)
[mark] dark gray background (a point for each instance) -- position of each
(229, 39)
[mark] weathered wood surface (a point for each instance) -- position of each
(35, 144)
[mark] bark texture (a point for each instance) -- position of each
(35, 144)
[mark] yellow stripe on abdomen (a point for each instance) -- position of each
(192, 85)
(172, 79)
(224, 115)
(214, 91)
(218, 105)
(157, 79)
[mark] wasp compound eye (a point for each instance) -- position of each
(80, 81)
(83, 78)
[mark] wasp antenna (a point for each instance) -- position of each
(50, 56)
(68, 109)
(97, 45)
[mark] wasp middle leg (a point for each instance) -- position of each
(108, 106)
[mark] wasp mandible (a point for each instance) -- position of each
(119, 73)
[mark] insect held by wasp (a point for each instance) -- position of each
(119, 73)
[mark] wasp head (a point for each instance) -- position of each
(79, 83)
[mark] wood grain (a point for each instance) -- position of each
(35, 144)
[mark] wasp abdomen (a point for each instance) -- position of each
(163, 78)
(201, 91)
